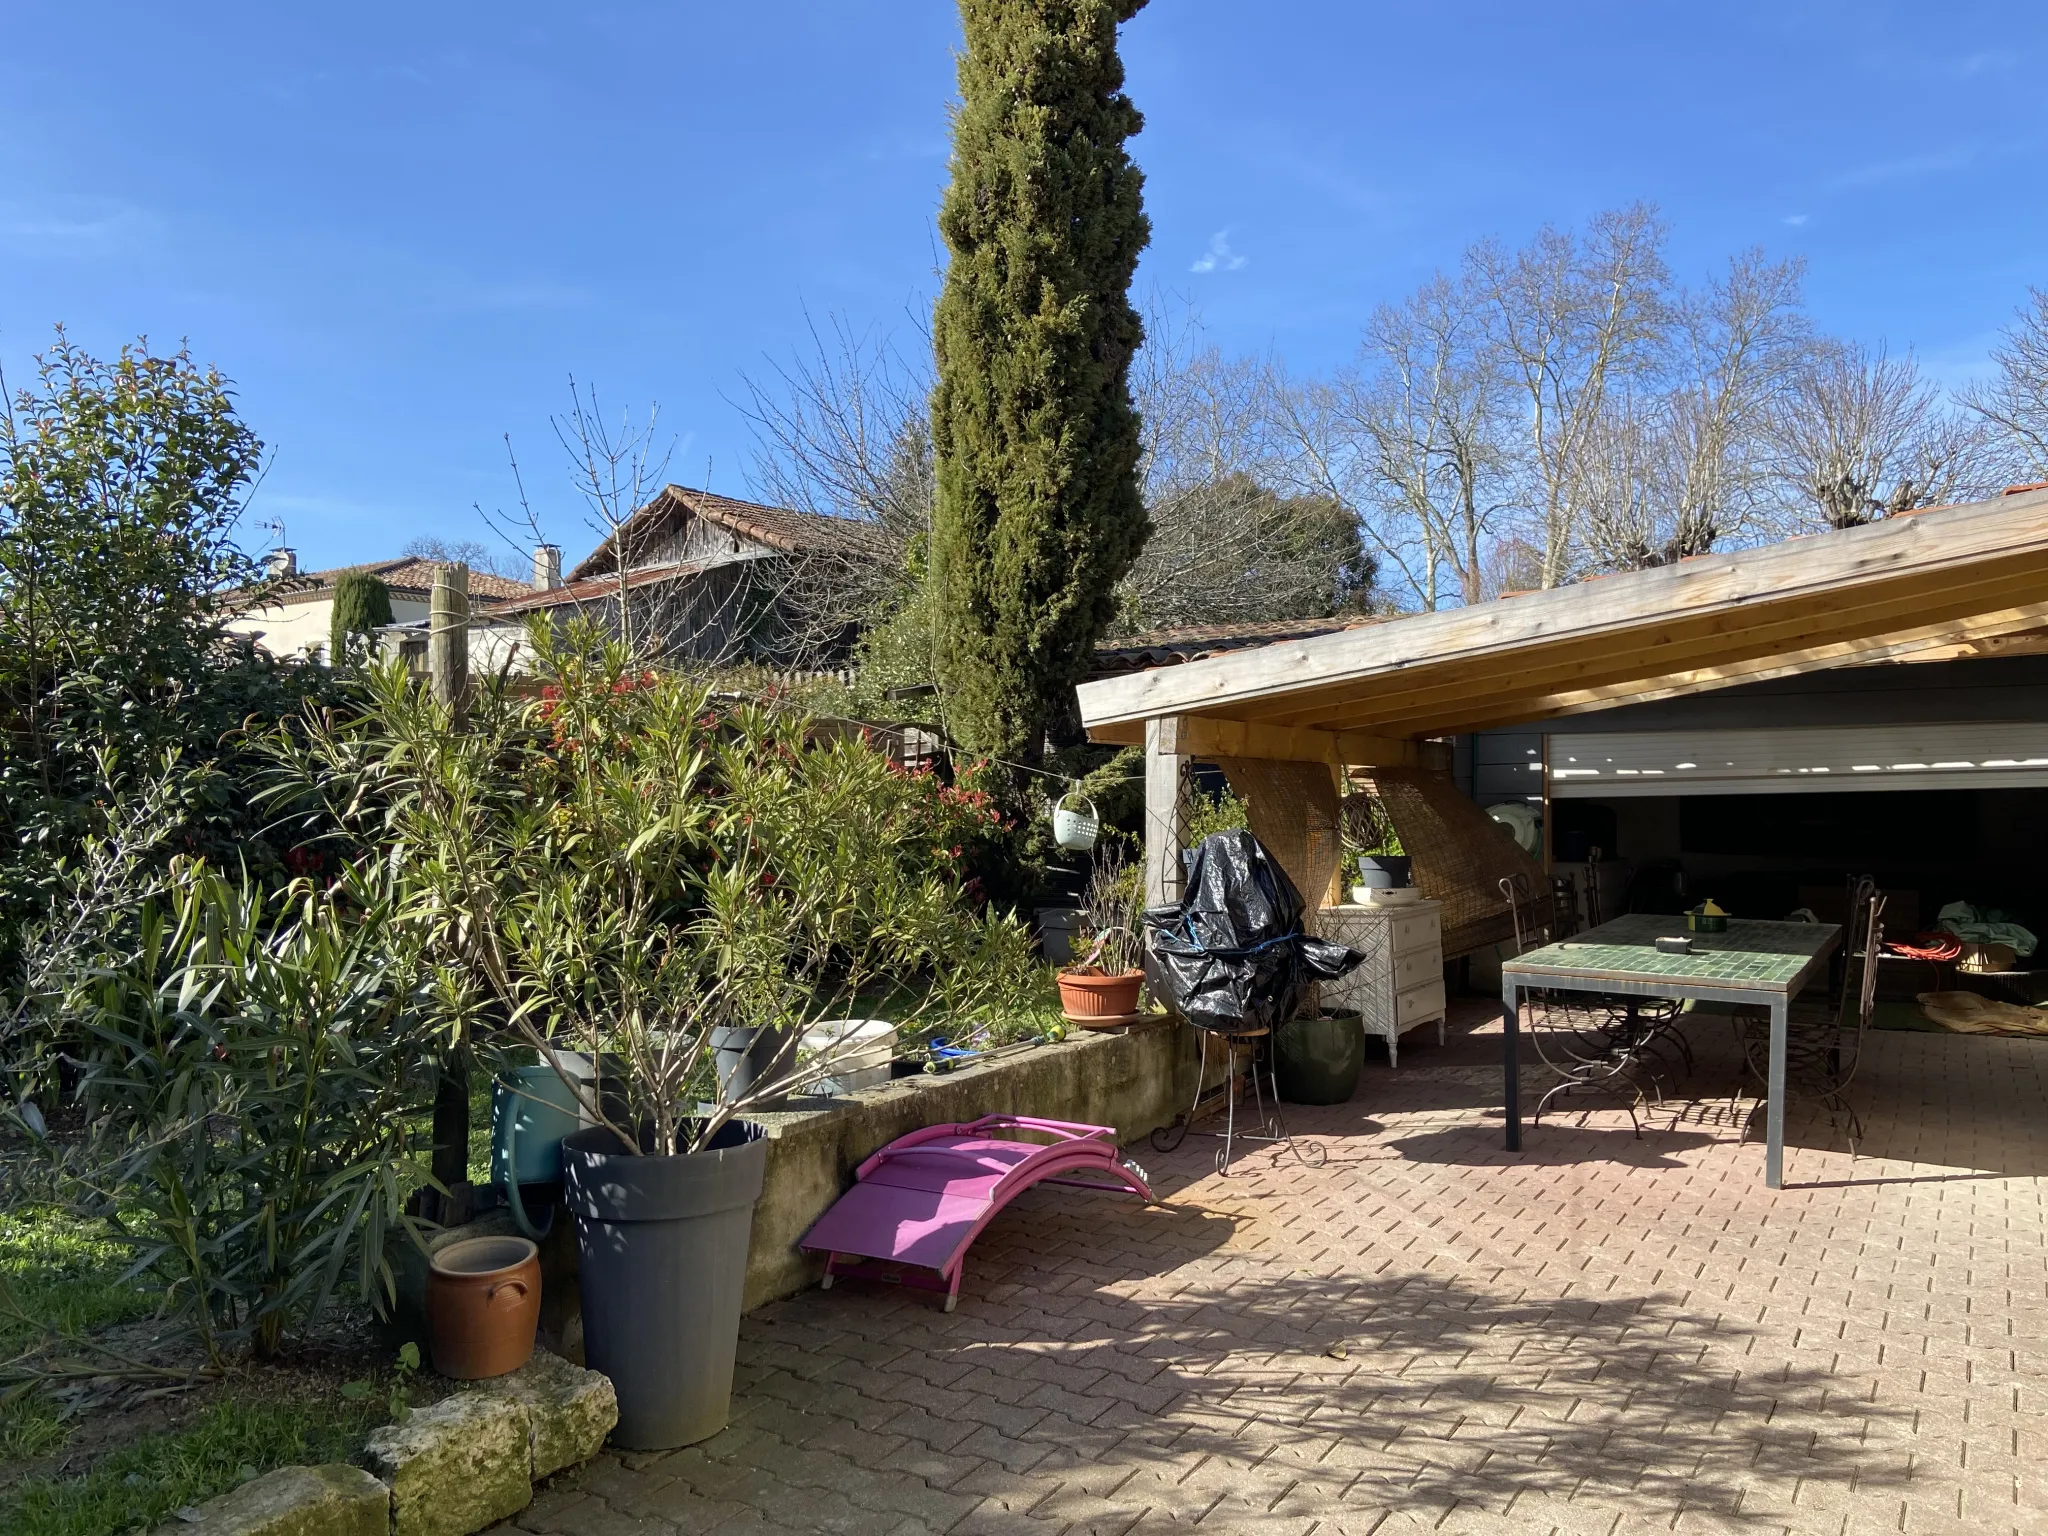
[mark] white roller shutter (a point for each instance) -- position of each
(1975, 756)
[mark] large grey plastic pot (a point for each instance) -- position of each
(743, 1056)
(663, 1242)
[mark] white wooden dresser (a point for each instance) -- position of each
(1401, 983)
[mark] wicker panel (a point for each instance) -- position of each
(1292, 808)
(1461, 855)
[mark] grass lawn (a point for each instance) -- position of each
(146, 1481)
(133, 1469)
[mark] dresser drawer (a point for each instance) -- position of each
(1414, 930)
(1423, 1002)
(1417, 967)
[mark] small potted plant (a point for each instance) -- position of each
(1374, 859)
(1102, 989)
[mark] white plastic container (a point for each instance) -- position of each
(857, 1051)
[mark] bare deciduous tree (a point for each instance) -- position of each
(1859, 434)
(1673, 471)
(665, 607)
(503, 560)
(2015, 403)
(843, 431)
(1416, 436)
(1575, 316)
(1226, 544)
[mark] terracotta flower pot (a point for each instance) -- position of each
(483, 1302)
(1087, 993)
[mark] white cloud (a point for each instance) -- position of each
(1219, 257)
(1795, 219)
(76, 226)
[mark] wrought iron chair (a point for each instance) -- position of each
(1617, 1045)
(1824, 1041)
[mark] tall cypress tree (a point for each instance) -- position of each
(362, 602)
(1039, 514)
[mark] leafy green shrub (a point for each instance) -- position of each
(121, 482)
(252, 1067)
(629, 863)
(1209, 814)
(362, 602)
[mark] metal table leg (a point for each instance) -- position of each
(1511, 1028)
(1774, 1119)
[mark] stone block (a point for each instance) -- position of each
(455, 1466)
(332, 1500)
(569, 1410)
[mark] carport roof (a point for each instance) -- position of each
(1937, 583)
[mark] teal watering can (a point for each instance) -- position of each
(532, 1109)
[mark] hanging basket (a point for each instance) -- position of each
(1075, 830)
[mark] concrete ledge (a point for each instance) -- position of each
(1135, 1081)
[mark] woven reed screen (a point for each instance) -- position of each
(1292, 808)
(1461, 855)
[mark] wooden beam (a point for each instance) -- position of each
(1433, 699)
(1165, 816)
(1912, 559)
(1205, 736)
(2013, 631)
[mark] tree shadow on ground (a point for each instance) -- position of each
(1242, 1387)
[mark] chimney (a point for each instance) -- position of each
(282, 563)
(547, 567)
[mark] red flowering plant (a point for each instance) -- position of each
(628, 864)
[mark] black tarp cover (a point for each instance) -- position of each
(1231, 954)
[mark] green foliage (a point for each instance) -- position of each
(362, 603)
(252, 1067)
(1209, 814)
(1038, 512)
(627, 864)
(120, 483)
(142, 1484)
(1112, 908)
(397, 1391)
(1369, 828)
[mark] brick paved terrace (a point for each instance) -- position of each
(1602, 1334)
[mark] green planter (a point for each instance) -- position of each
(1317, 1059)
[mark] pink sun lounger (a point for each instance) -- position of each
(921, 1200)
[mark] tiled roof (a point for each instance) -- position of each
(590, 589)
(408, 575)
(780, 528)
(1164, 647)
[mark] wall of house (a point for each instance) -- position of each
(707, 545)
(294, 629)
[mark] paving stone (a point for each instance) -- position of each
(1603, 1336)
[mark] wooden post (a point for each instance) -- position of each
(448, 670)
(1165, 815)
(448, 635)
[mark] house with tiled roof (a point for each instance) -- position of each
(293, 613)
(710, 578)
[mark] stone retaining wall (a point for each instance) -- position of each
(1135, 1081)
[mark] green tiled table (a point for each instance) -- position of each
(1765, 964)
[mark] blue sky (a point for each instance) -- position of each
(400, 229)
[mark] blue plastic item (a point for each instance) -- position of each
(532, 1109)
